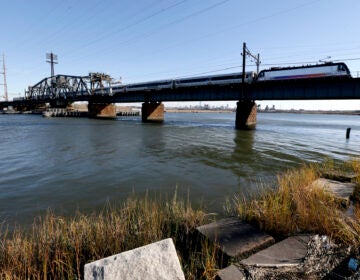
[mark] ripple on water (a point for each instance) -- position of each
(71, 164)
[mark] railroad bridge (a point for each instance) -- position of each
(62, 90)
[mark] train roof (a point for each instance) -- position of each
(148, 82)
(214, 76)
(305, 66)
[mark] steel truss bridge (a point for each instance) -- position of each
(95, 88)
(68, 87)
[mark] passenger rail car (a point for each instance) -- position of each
(157, 85)
(118, 89)
(305, 72)
(233, 78)
(103, 91)
(223, 79)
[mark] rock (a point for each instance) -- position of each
(235, 237)
(341, 190)
(154, 261)
(289, 252)
(323, 255)
(294, 258)
(232, 272)
(339, 176)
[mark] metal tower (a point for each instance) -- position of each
(5, 96)
(52, 59)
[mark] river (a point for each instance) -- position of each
(69, 164)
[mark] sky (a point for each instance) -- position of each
(147, 40)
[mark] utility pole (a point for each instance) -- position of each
(256, 58)
(52, 59)
(243, 62)
(4, 74)
(245, 53)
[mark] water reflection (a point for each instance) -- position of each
(244, 143)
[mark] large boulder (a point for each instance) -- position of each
(152, 262)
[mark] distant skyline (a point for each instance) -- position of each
(162, 39)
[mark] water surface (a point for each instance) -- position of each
(68, 164)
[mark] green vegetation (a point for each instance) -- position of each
(58, 247)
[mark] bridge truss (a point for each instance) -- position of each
(69, 87)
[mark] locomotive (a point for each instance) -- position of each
(305, 72)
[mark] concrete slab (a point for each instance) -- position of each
(235, 237)
(339, 189)
(154, 261)
(232, 272)
(339, 176)
(350, 211)
(289, 252)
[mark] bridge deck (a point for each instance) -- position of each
(302, 89)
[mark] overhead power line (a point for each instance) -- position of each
(144, 19)
(346, 59)
(209, 72)
(263, 64)
(198, 12)
(227, 29)
(307, 62)
(151, 32)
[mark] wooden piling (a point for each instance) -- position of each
(348, 132)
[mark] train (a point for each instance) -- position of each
(276, 73)
(223, 79)
(305, 72)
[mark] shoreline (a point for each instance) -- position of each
(219, 111)
(171, 110)
(279, 212)
(321, 112)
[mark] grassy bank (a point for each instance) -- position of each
(58, 247)
(297, 205)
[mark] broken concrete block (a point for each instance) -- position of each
(339, 189)
(339, 176)
(154, 261)
(232, 272)
(235, 237)
(297, 257)
(289, 252)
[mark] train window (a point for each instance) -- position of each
(341, 67)
(193, 80)
(220, 78)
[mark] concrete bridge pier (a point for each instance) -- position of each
(30, 107)
(59, 103)
(152, 112)
(245, 115)
(102, 110)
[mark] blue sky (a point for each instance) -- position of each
(160, 39)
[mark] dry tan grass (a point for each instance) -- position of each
(297, 205)
(58, 248)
